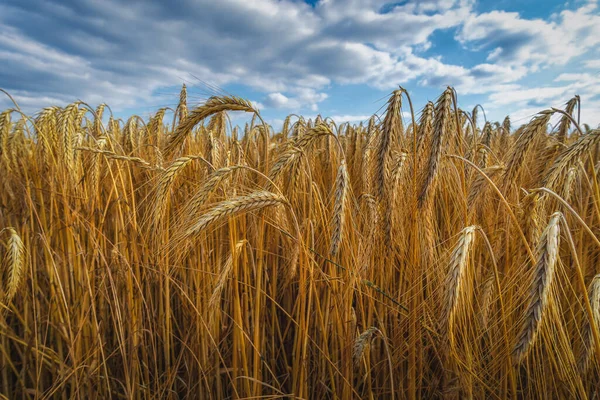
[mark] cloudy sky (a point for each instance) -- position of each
(338, 58)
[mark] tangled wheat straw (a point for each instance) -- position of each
(178, 256)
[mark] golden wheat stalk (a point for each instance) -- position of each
(567, 188)
(66, 124)
(15, 264)
(164, 185)
(440, 128)
(212, 106)
(455, 277)
(569, 157)
(255, 201)
(129, 134)
(479, 185)
(4, 132)
(565, 121)
(198, 199)
(530, 207)
(339, 208)
(543, 275)
(182, 107)
(487, 140)
(98, 131)
(391, 130)
(425, 125)
(295, 148)
(587, 351)
(397, 171)
(504, 136)
(46, 132)
(362, 342)
(525, 140)
(284, 160)
(113, 156)
(224, 273)
(487, 299)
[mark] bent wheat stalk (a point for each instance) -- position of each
(296, 146)
(569, 157)
(164, 185)
(222, 278)
(362, 342)
(200, 197)
(212, 106)
(237, 205)
(524, 143)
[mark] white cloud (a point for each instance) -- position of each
(277, 100)
(592, 64)
(513, 40)
(87, 49)
(350, 118)
(302, 97)
(523, 103)
(123, 52)
(526, 95)
(574, 77)
(258, 105)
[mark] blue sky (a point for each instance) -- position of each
(338, 58)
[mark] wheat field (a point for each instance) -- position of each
(434, 256)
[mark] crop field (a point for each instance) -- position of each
(424, 253)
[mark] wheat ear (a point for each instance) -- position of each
(4, 132)
(200, 197)
(182, 107)
(113, 156)
(212, 106)
(14, 260)
(456, 276)
(425, 125)
(361, 343)
(440, 127)
(164, 185)
(237, 205)
(543, 275)
(339, 208)
(295, 148)
(585, 357)
(565, 121)
(569, 157)
(524, 142)
(222, 278)
(392, 129)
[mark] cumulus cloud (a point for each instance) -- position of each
(302, 97)
(123, 51)
(289, 52)
(511, 39)
(592, 64)
(350, 118)
(523, 103)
